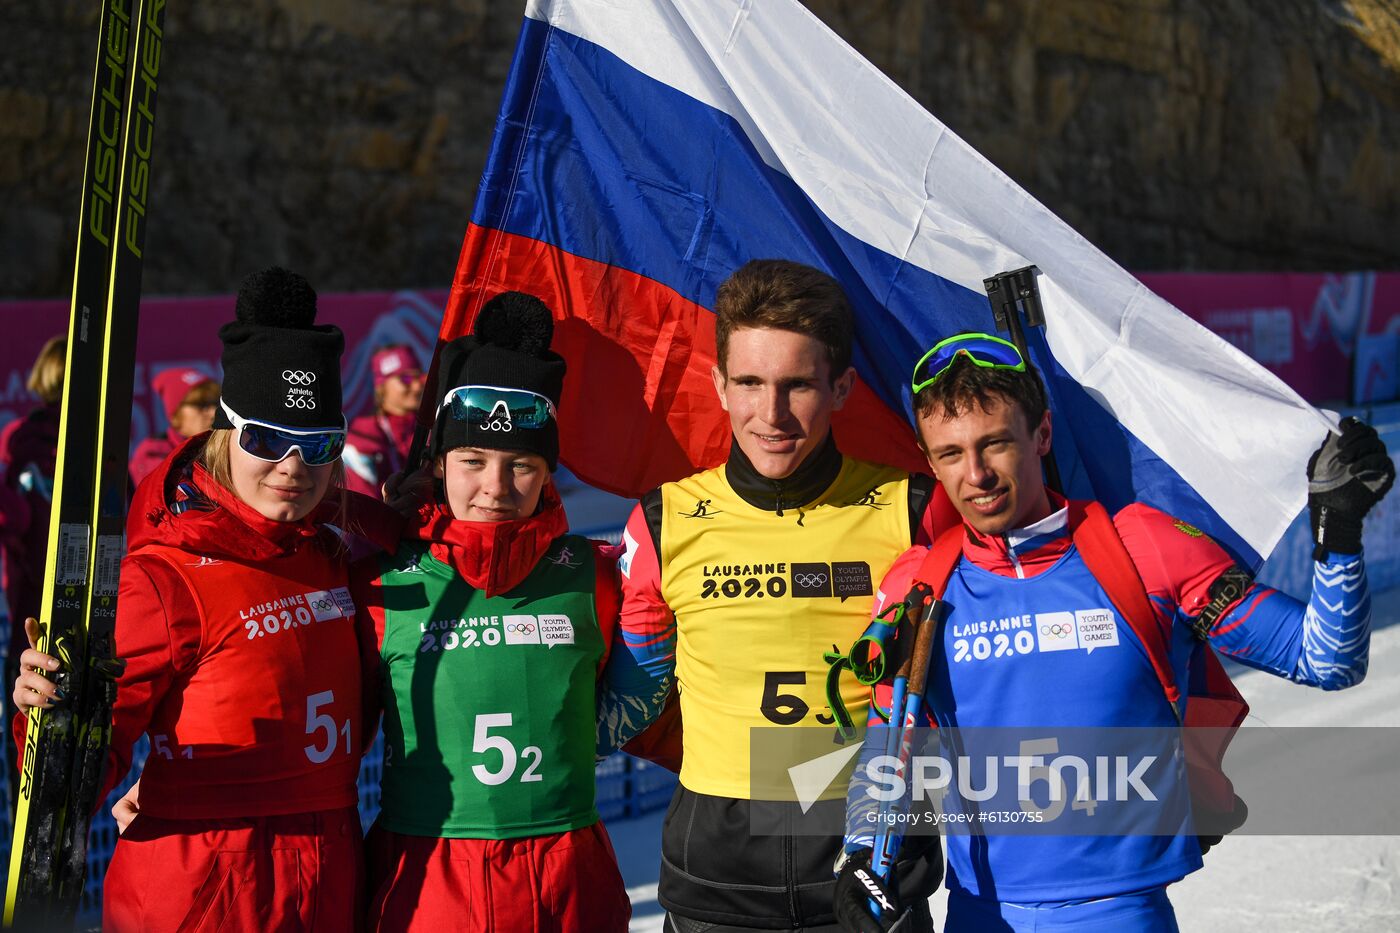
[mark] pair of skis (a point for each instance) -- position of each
(66, 746)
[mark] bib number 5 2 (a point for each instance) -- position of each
(483, 741)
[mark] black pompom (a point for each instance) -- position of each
(276, 297)
(516, 321)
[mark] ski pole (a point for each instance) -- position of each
(923, 610)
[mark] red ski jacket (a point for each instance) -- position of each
(241, 657)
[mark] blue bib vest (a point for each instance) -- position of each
(1051, 652)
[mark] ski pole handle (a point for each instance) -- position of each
(923, 611)
(930, 612)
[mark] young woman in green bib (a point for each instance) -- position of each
(492, 626)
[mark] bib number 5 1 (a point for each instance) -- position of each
(319, 722)
(483, 741)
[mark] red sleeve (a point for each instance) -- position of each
(645, 618)
(369, 632)
(1177, 562)
(649, 628)
(158, 636)
(607, 595)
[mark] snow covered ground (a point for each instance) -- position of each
(1250, 883)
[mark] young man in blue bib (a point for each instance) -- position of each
(1024, 552)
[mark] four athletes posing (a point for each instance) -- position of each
(488, 811)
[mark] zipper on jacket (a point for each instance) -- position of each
(1015, 561)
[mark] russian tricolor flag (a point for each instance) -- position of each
(644, 150)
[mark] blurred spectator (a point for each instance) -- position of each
(189, 398)
(28, 453)
(378, 443)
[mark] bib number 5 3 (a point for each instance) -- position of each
(483, 741)
(786, 709)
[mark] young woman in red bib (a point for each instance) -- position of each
(490, 628)
(237, 627)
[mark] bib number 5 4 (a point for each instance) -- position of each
(483, 741)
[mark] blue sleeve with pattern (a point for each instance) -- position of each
(1323, 643)
(631, 693)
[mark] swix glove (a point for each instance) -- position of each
(865, 904)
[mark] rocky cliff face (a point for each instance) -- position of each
(345, 137)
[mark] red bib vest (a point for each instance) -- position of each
(268, 721)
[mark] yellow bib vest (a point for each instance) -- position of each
(758, 597)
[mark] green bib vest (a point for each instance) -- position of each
(489, 707)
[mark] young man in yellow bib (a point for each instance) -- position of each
(736, 580)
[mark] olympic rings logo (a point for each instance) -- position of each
(809, 579)
(521, 628)
(1059, 630)
(298, 378)
(323, 604)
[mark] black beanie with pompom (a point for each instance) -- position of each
(279, 365)
(507, 349)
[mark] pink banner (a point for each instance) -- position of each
(1304, 328)
(185, 332)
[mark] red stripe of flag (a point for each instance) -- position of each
(639, 406)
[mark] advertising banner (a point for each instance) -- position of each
(185, 332)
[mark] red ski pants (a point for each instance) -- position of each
(300, 872)
(556, 883)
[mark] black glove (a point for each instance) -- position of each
(1347, 475)
(856, 888)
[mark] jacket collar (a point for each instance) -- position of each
(805, 485)
(492, 556)
(188, 509)
(1022, 552)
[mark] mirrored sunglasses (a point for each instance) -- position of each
(982, 349)
(492, 408)
(274, 442)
